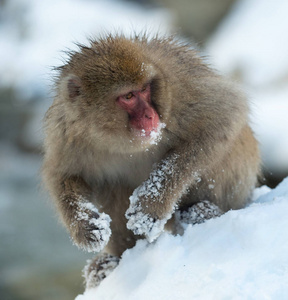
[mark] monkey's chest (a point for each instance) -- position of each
(131, 170)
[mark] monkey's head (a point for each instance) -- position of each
(112, 90)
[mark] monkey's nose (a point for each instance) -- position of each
(149, 113)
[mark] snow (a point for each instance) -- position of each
(251, 44)
(48, 27)
(157, 135)
(253, 38)
(240, 255)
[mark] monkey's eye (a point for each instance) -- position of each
(129, 96)
(144, 88)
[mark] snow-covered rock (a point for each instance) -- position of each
(240, 255)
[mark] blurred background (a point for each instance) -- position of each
(245, 40)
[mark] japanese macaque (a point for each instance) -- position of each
(142, 134)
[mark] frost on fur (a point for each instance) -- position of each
(150, 191)
(141, 223)
(93, 228)
(98, 269)
(196, 214)
(157, 135)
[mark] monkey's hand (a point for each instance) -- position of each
(152, 203)
(144, 224)
(90, 230)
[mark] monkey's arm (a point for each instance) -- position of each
(88, 228)
(208, 126)
(153, 203)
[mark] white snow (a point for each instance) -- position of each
(251, 45)
(240, 255)
(252, 38)
(48, 27)
(157, 135)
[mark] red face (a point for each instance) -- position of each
(143, 116)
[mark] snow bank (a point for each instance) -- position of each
(240, 255)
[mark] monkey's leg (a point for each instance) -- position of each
(196, 214)
(88, 228)
(114, 200)
(99, 268)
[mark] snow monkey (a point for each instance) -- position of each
(143, 135)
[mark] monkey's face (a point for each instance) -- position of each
(115, 87)
(142, 116)
(136, 124)
(124, 120)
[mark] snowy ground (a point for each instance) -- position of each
(240, 255)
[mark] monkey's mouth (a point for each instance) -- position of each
(145, 126)
(151, 135)
(145, 133)
(146, 130)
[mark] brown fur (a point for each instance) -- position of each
(90, 150)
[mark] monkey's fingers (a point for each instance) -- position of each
(93, 234)
(143, 224)
(99, 268)
(198, 213)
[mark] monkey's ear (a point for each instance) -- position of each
(73, 86)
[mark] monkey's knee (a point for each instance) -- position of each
(196, 214)
(99, 268)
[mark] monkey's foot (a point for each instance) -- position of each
(98, 269)
(198, 213)
(143, 224)
(92, 230)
